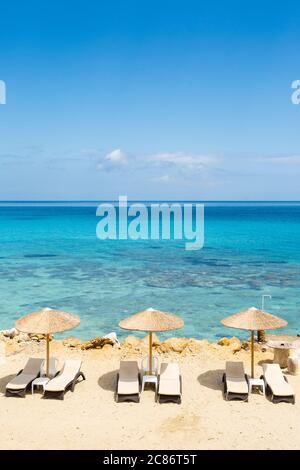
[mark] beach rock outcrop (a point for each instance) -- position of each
(23, 338)
(233, 343)
(101, 341)
(145, 340)
(183, 346)
(72, 342)
(39, 337)
(224, 341)
(131, 342)
(174, 345)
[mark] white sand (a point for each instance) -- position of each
(89, 418)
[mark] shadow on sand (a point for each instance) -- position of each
(212, 379)
(4, 381)
(108, 381)
(265, 361)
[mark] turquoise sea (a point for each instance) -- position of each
(50, 256)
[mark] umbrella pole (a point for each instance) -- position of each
(252, 354)
(47, 356)
(150, 353)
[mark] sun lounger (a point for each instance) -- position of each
(65, 380)
(169, 383)
(277, 384)
(18, 385)
(128, 382)
(235, 382)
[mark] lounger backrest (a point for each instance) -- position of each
(272, 372)
(169, 370)
(235, 369)
(128, 382)
(71, 367)
(128, 371)
(33, 366)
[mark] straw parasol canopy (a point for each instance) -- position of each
(152, 320)
(253, 319)
(46, 322)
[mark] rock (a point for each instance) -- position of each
(174, 345)
(224, 342)
(10, 333)
(97, 343)
(39, 337)
(235, 344)
(131, 342)
(23, 337)
(194, 346)
(72, 342)
(155, 340)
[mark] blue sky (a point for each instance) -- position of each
(152, 99)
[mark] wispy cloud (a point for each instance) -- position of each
(187, 161)
(282, 159)
(163, 161)
(162, 178)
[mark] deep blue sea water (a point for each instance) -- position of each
(50, 256)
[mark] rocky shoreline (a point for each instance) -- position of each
(14, 341)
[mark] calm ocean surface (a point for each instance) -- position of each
(50, 256)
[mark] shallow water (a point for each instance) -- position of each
(50, 256)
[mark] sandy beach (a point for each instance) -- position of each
(90, 418)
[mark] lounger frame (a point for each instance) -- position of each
(60, 394)
(234, 396)
(278, 398)
(161, 398)
(122, 397)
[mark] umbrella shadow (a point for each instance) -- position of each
(265, 361)
(108, 381)
(4, 381)
(212, 379)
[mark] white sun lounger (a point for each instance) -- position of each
(128, 382)
(277, 384)
(235, 382)
(169, 383)
(66, 379)
(19, 384)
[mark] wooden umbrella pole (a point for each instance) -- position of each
(150, 353)
(47, 358)
(252, 354)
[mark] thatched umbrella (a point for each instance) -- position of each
(253, 319)
(151, 320)
(46, 322)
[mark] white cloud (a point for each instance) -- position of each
(114, 159)
(117, 157)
